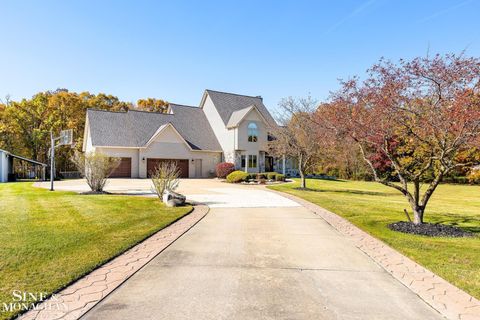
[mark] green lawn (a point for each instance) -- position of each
(49, 239)
(372, 206)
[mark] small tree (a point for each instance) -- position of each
(95, 167)
(165, 178)
(298, 136)
(415, 117)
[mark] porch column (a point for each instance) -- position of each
(283, 164)
(246, 162)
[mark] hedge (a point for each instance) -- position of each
(237, 176)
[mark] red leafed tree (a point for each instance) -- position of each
(418, 116)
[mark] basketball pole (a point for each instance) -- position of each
(52, 163)
(66, 138)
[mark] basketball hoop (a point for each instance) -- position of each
(66, 137)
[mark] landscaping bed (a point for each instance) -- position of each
(429, 229)
(255, 178)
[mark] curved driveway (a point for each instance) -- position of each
(267, 262)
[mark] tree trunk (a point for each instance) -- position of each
(418, 215)
(303, 183)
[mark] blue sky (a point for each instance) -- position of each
(175, 49)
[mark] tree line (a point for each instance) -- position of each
(25, 125)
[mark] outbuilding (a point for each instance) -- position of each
(28, 168)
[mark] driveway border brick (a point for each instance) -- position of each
(447, 299)
(75, 300)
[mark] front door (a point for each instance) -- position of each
(268, 164)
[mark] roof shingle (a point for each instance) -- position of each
(227, 103)
(134, 128)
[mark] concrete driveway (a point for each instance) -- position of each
(214, 193)
(265, 262)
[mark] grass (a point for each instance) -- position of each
(49, 239)
(372, 206)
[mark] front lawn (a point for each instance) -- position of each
(372, 207)
(49, 239)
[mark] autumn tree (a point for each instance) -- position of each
(420, 115)
(298, 136)
(25, 125)
(152, 104)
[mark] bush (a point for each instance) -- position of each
(223, 169)
(165, 178)
(474, 177)
(95, 167)
(280, 177)
(261, 176)
(237, 176)
(271, 175)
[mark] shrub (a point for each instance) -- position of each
(237, 176)
(271, 175)
(223, 169)
(474, 177)
(95, 167)
(280, 177)
(261, 176)
(165, 178)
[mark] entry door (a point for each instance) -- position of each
(198, 168)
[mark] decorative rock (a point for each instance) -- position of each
(173, 199)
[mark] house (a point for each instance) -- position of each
(224, 127)
(25, 168)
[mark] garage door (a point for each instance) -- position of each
(124, 169)
(182, 164)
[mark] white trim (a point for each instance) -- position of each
(252, 107)
(85, 136)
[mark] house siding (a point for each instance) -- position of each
(225, 137)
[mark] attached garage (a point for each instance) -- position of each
(124, 169)
(182, 164)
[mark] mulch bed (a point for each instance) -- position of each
(429, 229)
(94, 192)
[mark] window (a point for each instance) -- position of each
(243, 162)
(252, 161)
(252, 132)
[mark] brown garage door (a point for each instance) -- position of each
(124, 169)
(182, 164)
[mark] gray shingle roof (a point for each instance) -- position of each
(227, 103)
(135, 128)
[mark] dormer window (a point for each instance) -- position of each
(252, 132)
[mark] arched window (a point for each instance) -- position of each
(252, 132)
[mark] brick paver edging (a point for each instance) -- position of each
(75, 300)
(450, 301)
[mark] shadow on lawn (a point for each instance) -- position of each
(360, 192)
(470, 224)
